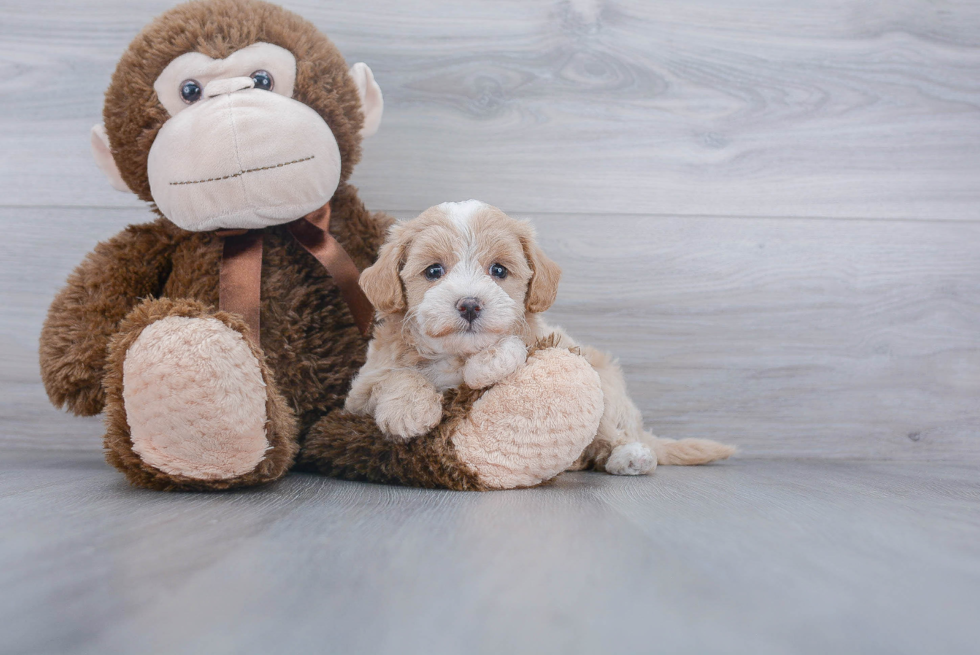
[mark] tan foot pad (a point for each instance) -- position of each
(195, 399)
(534, 424)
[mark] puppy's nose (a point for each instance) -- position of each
(469, 308)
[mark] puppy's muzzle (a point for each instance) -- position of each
(469, 309)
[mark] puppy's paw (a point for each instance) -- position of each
(631, 459)
(493, 364)
(410, 415)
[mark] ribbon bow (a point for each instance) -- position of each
(240, 280)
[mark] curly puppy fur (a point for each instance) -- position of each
(459, 291)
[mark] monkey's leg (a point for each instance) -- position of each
(524, 430)
(190, 402)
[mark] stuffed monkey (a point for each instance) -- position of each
(220, 339)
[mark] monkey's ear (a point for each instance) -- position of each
(372, 104)
(104, 160)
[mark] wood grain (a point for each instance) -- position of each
(786, 337)
(743, 557)
(798, 337)
(763, 108)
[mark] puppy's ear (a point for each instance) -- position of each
(381, 283)
(545, 273)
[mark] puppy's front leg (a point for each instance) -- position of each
(493, 364)
(404, 404)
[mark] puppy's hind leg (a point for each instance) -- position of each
(622, 446)
(618, 447)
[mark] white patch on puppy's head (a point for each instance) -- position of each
(460, 213)
(463, 275)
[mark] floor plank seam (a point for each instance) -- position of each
(616, 214)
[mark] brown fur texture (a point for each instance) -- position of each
(427, 461)
(311, 346)
(308, 335)
(366, 454)
(100, 292)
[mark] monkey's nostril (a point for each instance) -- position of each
(469, 308)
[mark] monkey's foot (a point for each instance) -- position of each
(534, 424)
(524, 430)
(191, 404)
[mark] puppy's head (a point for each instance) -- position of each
(463, 274)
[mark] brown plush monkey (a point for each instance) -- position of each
(220, 339)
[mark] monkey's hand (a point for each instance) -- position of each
(493, 364)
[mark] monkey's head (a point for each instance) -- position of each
(234, 114)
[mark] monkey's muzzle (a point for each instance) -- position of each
(243, 160)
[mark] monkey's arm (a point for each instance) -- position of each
(111, 280)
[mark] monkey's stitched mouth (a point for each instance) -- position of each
(240, 173)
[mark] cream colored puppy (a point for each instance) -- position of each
(459, 292)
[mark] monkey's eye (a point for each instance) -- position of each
(263, 80)
(434, 272)
(499, 271)
(190, 91)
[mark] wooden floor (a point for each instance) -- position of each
(769, 210)
(753, 556)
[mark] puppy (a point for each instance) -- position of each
(459, 292)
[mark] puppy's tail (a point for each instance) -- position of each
(688, 452)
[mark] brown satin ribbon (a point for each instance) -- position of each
(240, 280)
(313, 233)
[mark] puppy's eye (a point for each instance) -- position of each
(434, 272)
(262, 80)
(190, 91)
(498, 271)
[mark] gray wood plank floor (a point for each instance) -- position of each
(751, 556)
(768, 210)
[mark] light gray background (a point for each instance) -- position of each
(769, 210)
